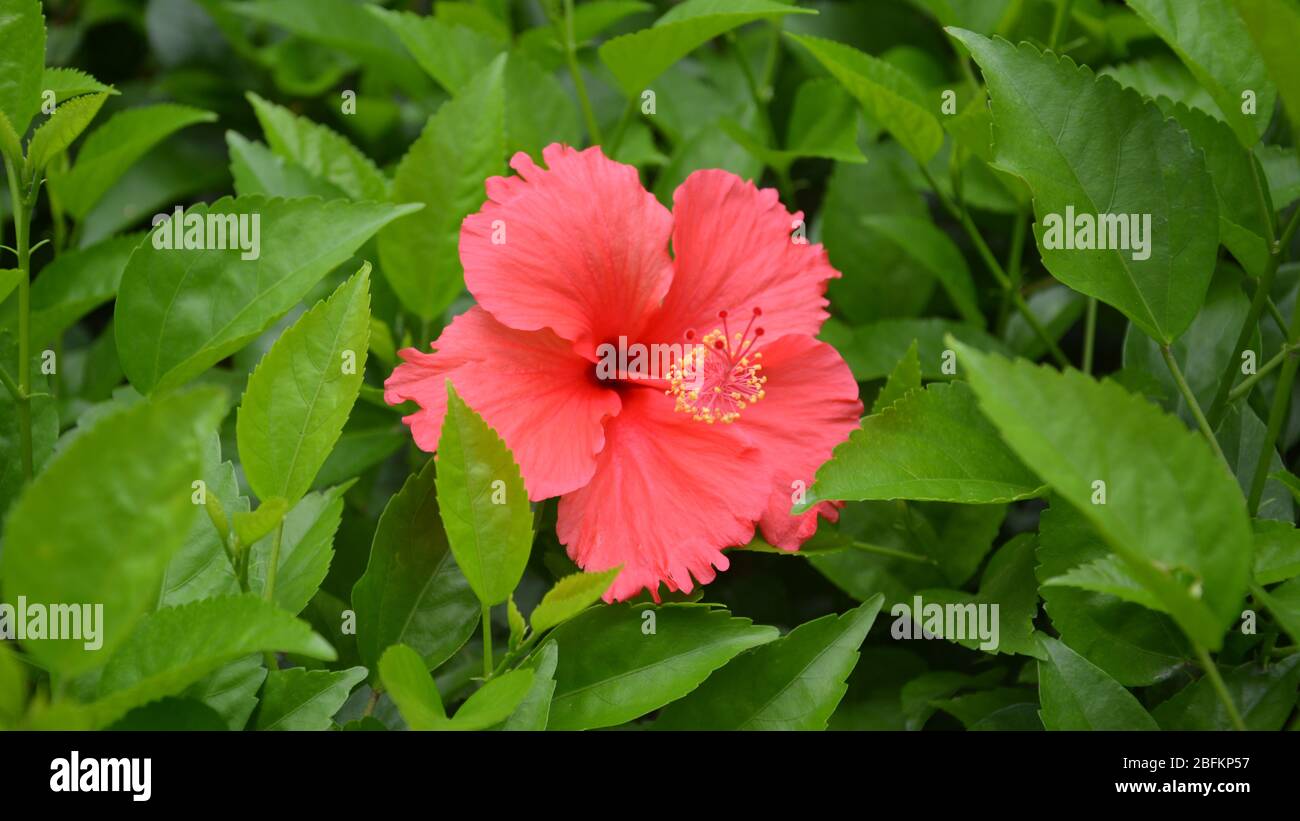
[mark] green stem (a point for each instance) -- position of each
(1243, 389)
(1015, 259)
(1058, 23)
(575, 70)
(1192, 404)
(755, 93)
(487, 641)
(273, 564)
(1257, 304)
(22, 233)
(625, 119)
(1089, 334)
(891, 553)
(1221, 689)
(991, 262)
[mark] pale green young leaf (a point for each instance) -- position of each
(412, 592)
(252, 525)
(180, 311)
(284, 434)
(793, 683)
(494, 702)
(1077, 695)
(58, 132)
(407, 681)
(1127, 160)
(620, 662)
(306, 549)
(483, 503)
(22, 61)
(114, 147)
(462, 145)
(569, 597)
(100, 522)
(1195, 557)
(67, 83)
(931, 445)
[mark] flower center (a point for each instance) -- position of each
(720, 375)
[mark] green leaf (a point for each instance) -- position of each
(1283, 602)
(1213, 42)
(1274, 26)
(1264, 697)
(494, 702)
(180, 311)
(22, 63)
(54, 135)
(286, 434)
(887, 93)
(483, 502)
(11, 147)
(1008, 585)
(872, 350)
(929, 246)
(323, 152)
(175, 647)
(569, 597)
(932, 444)
(407, 681)
(636, 60)
(250, 526)
(1277, 551)
(906, 377)
(301, 699)
(535, 709)
(100, 522)
(1195, 557)
(1087, 144)
(306, 549)
(1134, 645)
(621, 662)
(793, 683)
(256, 170)
(9, 278)
(450, 54)
(412, 592)
(461, 146)
(71, 286)
(13, 686)
(231, 690)
(114, 147)
(67, 83)
(1107, 575)
(201, 568)
(343, 26)
(1077, 695)
(1234, 171)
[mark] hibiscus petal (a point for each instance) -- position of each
(529, 385)
(668, 494)
(582, 248)
(734, 252)
(810, 406)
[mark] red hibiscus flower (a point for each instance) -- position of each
(656, 471)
